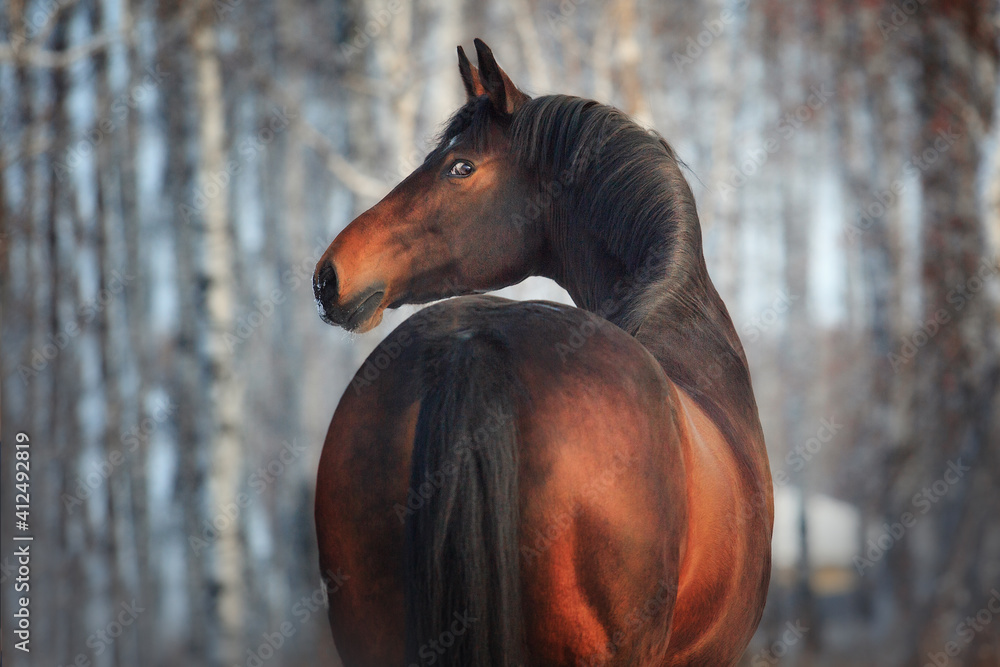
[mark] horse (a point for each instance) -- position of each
(525, 482)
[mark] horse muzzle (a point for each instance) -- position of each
(360, 313)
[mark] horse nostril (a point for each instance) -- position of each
(325, 283)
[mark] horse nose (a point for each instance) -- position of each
(325, 288)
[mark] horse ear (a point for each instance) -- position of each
(504, 95)
(470, 76)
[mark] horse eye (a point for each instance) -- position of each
(461, 169)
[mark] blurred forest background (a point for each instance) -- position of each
(172, 171)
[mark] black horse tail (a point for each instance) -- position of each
(463, 594)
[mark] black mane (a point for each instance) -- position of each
(627, 191)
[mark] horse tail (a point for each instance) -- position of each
(463, 593)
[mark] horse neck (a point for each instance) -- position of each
(669, 304)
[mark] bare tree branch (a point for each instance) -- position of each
(343, 169)
(34, 56)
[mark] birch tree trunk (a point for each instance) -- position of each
(225, 392)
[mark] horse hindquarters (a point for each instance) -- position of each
(463, 599)
(563, 517)
(496, 475)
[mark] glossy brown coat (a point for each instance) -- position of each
(644, 505)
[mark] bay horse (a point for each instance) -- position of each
(528, 483)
